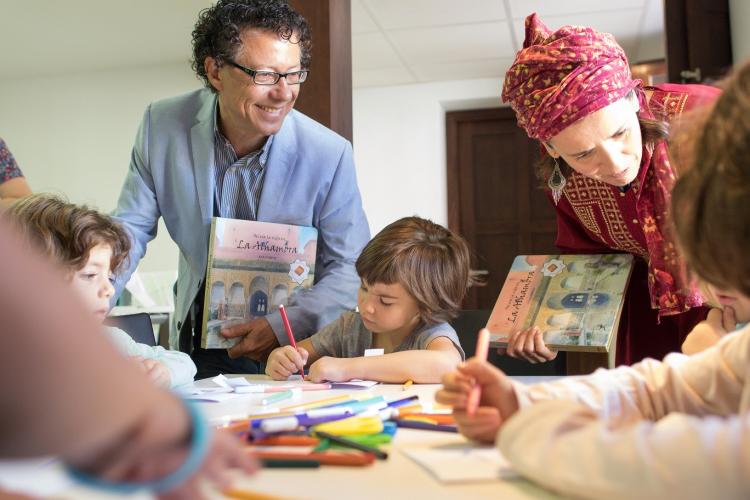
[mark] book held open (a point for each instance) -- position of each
(575, 300)
(253, 267)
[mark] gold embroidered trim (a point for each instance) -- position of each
(588, 196)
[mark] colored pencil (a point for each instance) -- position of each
(414, 424)
(475, 394)
(289, 463)
(407, 384)
(352, 444)
(289, 333)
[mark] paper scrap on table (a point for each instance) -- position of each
(462, 462)
(224, 381)
(354, 384)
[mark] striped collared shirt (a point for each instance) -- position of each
(238, 181)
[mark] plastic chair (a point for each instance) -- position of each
(138, 326)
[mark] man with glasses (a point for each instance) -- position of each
(237, 149)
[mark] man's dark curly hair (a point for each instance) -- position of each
(217, 32)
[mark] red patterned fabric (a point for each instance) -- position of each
(8, 166)
(559, 78)
(595, 217)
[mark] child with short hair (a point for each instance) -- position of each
(90, 247)
(678, 428)
(414, 275)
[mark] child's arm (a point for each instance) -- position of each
(710, 382)
(181, 368)
(425, 366)
(285, 361)
(568, 448)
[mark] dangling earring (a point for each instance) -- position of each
(556, 182)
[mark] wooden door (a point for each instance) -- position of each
(699, 44)
(494, 198)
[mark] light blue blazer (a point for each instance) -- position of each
(310, 180)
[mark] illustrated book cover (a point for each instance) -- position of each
(253, 267)
(575, 300)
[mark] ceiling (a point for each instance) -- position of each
(411, 41)
(393, 41)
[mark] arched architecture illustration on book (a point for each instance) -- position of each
(253, 268)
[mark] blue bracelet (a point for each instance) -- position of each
(199, 441)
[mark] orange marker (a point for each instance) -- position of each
(289, 333)
(325, 458)
(483, 345)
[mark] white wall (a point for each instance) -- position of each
(72, 134)
(739, 17)
(400, 145)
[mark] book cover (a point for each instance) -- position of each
(575, 300)
(253, 267)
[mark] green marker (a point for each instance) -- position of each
(280, 396)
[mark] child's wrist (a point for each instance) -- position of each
(189, 430)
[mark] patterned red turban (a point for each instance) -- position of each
(559, 78)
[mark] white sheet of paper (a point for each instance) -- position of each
(39, 477)
(462, 462)
(374, 352)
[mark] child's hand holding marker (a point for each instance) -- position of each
(286, 361)
(482, 396)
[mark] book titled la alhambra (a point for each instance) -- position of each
(253, 267)
(575, 300)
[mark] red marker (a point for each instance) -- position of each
(290, 335)
(483, 346)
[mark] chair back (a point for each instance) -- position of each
(138, 326)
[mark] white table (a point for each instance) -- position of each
(395, 478)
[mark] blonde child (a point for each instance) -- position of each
(90, 247)
(414, 275)
(679, 428)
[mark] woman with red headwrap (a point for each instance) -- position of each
(609, 175)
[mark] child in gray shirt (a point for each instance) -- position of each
(414, 276)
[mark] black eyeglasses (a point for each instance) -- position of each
(272, 77)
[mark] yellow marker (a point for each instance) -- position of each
(315, 404)
(352, 425)
(242, 494)
(407, 384)
(405, 410)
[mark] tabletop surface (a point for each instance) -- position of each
(396, 477)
